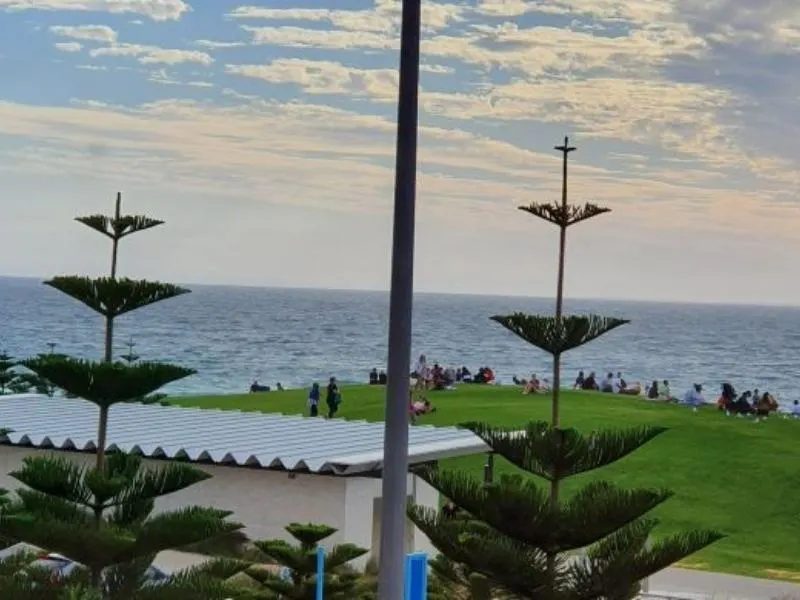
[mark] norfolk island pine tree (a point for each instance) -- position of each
(102, 517)
(341, 581)
(527, 540)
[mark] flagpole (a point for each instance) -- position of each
(391, 580)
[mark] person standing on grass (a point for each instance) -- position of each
(333, 398)
(313, 400)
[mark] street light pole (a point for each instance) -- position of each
(391, 580)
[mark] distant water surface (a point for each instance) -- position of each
(233, 335)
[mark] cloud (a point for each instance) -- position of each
(161, 76)
(157, 10)
(154, 55)
(88, 33)
(68, 47)
(384, 18)
(242, 150)
(216, 45)
(767, 26)
(325, 77)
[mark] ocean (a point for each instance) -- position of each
(233, 335)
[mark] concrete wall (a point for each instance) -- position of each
(363, 513)
(266, 501)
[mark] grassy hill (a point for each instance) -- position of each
(730, 474)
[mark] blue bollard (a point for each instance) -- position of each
(416, 576)
(320, 573)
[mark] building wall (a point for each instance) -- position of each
(363, 507)
(266, 501)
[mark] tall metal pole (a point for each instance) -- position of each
(391, 580)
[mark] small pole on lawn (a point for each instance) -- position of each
(391, 581)
(320, 573)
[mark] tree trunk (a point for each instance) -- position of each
(102, 429)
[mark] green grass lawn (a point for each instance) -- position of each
(739, 477)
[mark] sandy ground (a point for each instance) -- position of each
(698, 585)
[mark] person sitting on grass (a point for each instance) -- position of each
(742, 405)
(694, 397)
(633, 388)
(796, 409)
(590, 383)
(579, 381)
(765, 405)
(726, 398)
(665, 394)
(533, 386)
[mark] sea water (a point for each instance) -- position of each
(233, 335)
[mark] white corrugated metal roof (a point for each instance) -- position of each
(231, 437)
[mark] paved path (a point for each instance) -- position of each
(700, 584)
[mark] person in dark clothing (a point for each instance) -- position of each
(373, 377)
(313, 400)
(333, 398)
(652, 393)
(579, 381)
(257, 387)
(590, 383)
(382, 378)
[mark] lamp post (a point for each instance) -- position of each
(391, 580)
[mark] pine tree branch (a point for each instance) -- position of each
(562, 216)
(520, 569)
(90, 546)
(554, 453)
(177, 529)
(112, 297)
(620, 568)
(556, 336)
(105, 384)
(149, 484)
(518, 509)
(310, 534)
(54, 476)
(118, 228)
(289, 556)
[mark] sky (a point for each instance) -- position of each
(264, 133)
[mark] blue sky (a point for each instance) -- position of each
(263, 133)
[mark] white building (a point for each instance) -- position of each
(269, 469)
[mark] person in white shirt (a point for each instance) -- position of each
(694, 397)
(796, 409)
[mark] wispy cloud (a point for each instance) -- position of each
(88, 33)
(153, 54)
(157, 10)
(69, 46)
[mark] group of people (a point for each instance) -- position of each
(747, 403)
(333, 398)
(377, 377)
(611, 384)
(256, 387)
(437, 377)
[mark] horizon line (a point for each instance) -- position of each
(422, 292)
